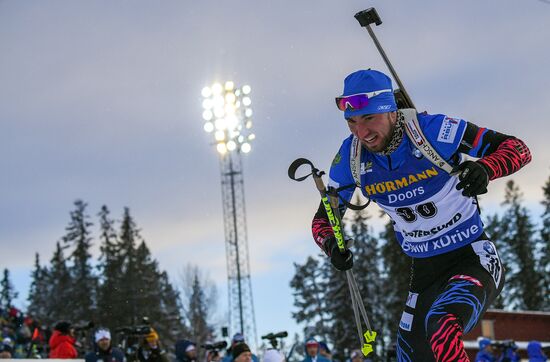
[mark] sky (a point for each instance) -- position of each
(101, 101)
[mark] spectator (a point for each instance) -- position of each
(357, 356)
(273, 355)
(237, 338)
(241, 353)
(534, 351)
(62, 341)
(312, 351)
(213, 356)
(485, 353)
(186, 351)
(325, 351)
(509, 354)
(104, 351)
(6, 350)
(150, 350)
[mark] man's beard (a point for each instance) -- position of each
(385, 141)
(394, 138)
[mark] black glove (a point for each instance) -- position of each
(341, 261)
(473, 178)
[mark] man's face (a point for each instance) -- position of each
(104, 344)
(244, 357)
(152, 343)
(192, 354)
(373, 130)
(210, 357)
(312, 350)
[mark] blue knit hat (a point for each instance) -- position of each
(484, 342)
(367, 81)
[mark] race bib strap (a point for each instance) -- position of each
(408, 116)
(355, 160)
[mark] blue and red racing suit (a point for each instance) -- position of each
(456, 270)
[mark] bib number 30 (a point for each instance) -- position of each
(427, 211)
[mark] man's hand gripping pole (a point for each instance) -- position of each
(329, 199)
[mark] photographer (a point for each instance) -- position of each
(273, 355)
(62, 342)
(238, 338)
(150, 350)
(534, 350)
(312, 351)
(104, 351)
(241, 353)
(325, 351)
(186, 351)
(509, 352)
(485, 353)
(213, 350)
(6, 349)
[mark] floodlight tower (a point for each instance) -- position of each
(227, 114)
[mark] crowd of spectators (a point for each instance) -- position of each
(507, 351)
(23, 337)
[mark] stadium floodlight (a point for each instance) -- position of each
(227, 112)
(227, 115)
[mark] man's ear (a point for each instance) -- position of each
(393, 117)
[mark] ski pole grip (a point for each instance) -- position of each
(319, 184)
(334, 201)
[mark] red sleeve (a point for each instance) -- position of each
(500, 154)
(320, 228)
(511, 155)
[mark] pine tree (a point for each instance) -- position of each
(198, 306)
(396, 280)
(109, 296)
(81, 304)
(8, 293)
(342, 332)
(171, 308)
(197, 311)
(308, 285)
(146, 291)
(493, 228)
(544, 261)
(58, 281)
(518, 230)
(147, 296)
(38, 291)
(129, 280)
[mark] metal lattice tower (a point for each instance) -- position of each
(241, 306)
(228, 114)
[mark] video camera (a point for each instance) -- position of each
(84, 326)
(131, 336)
(272, 337)
(139, 330)
(504, 344)
(216, 346)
